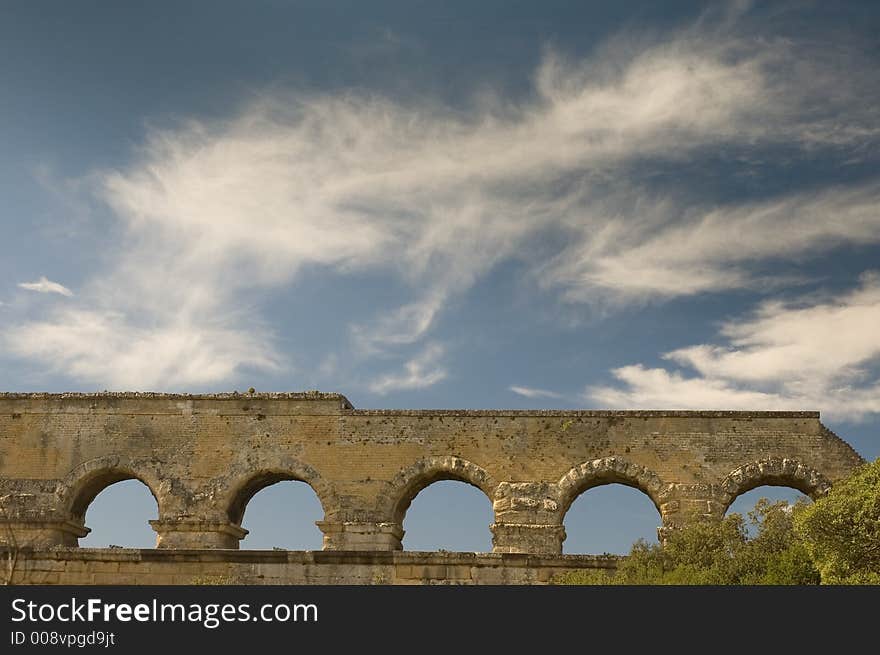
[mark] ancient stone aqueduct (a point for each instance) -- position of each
(204, 457)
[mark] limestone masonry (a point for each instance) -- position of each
(204, 457)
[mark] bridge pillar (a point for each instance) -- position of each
(534, 538)
(40, 534)
(31, 517)
(686, 504)
(197, 534)
(361, 535)
(527, 519)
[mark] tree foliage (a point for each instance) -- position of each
(835, 540)
(718, 553)
(841, 531)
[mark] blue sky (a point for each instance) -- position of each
(519, 205)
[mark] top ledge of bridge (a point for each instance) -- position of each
(585, 413)
(147, 395)
(347, 406)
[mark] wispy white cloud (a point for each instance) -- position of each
(423, 370)
(44, 285)
(531, 392)
(658, 388)
(661, 249)
(344, 183)
(104, 346)
(783, 341)
(405, 325)
(820, 355)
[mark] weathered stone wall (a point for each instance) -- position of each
(84, 566)
(204, 457)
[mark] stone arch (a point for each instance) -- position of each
(774, 472)
(607, 470)
(246, 480)
(403, 488)
(80, 487)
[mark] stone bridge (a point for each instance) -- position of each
(204, 456)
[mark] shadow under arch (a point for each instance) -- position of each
(607, 470)
(247, 483)
(82, 485)
(406, 485)
(773, 472)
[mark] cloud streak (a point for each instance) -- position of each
(686, 251)
(104, 346)
(532, 392)
(423, 370)
(44, 285)
(823, 355)
(345, 183)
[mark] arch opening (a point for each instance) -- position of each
(89, 487)
(609, 517)
(446, 513)
(282, 513)
(773, 489)
(401, 491)
(249, 489)
(117, 508)
(773, 472)
(746, 501)
(421, 483)
(279, 510)
(607, 470)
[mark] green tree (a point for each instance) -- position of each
(841, 531)
(718, 553)
(776, 556)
